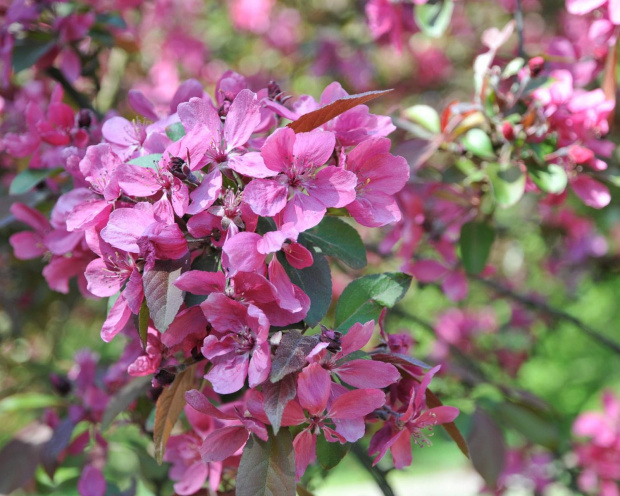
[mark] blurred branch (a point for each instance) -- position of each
(519, 22)
(555, 313)
(79, 98)
(377, 474)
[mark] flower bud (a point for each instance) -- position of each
(536, 65)
(508, 131)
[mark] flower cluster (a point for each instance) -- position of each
(599, 455)
(194, 221)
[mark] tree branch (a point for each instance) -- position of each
(79, 98)
(377, 474)
(519, 22)
(551, 312)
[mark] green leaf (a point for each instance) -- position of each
(553, 179)
(143, 322)
(434, 18)
(363, 299)
(175, 131)
(330, 454)
(533, 426)
(508, 185)
(338, 239)
(316, 282)
(426, 116)
(28, 51)
(267, 468)
(150, 161)
(28, 401)
(478, 142)
(475, 243)
(123, 398)
(29, 178)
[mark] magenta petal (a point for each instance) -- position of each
(200, 403)
(277, 152)
(428, 270)
(118, 316)
(591, 192)
(334, 187)
(198, 114)
(298, 255)
(242, 119)
(260, 365)
(313, 388)
(314, 148)
(241, 254)
(193, 479)
(101, 280)
(222, 443)
(455, 286)
(357, 337)
(351, 429)
(356, 403)
(223, 313)
(189, 326)
(250, 164)
(368, 373)
(305, 452)
(186, 91)
(266, 197)
(30, 216)
(126, 225)
(138, 181)
(142, 105)
(376, 210)
(27, 245)
(228, 373)
(401, 450)
(199, 282)
(205, 195)
(134, 291)
(92, 482)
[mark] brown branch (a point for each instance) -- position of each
(555, 313)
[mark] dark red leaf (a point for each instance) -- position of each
(276, 397)
(487, 447)
(169, 406)
(267, 468)
(291, 354)
(162, 297)
(312, 120)
(20, 456)
(56, 445)
(453, 431)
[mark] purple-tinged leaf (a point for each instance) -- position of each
(276, 397)
(267, 468)
(20, 456)
(56, 445)
(453, 431)
(169, 406)
(487, 447)
(399, 360)
(125, 397)
(312, 120)
(291, 354)
(162, 297)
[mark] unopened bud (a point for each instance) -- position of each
(536, 65)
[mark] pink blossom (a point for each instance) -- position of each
(380, 175)
(407, 426)
(335, 411)
(302, 188)
(238, 348)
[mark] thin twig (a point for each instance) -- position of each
(551, 311)
(377, 473)
(519, 22)
(79, 98)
